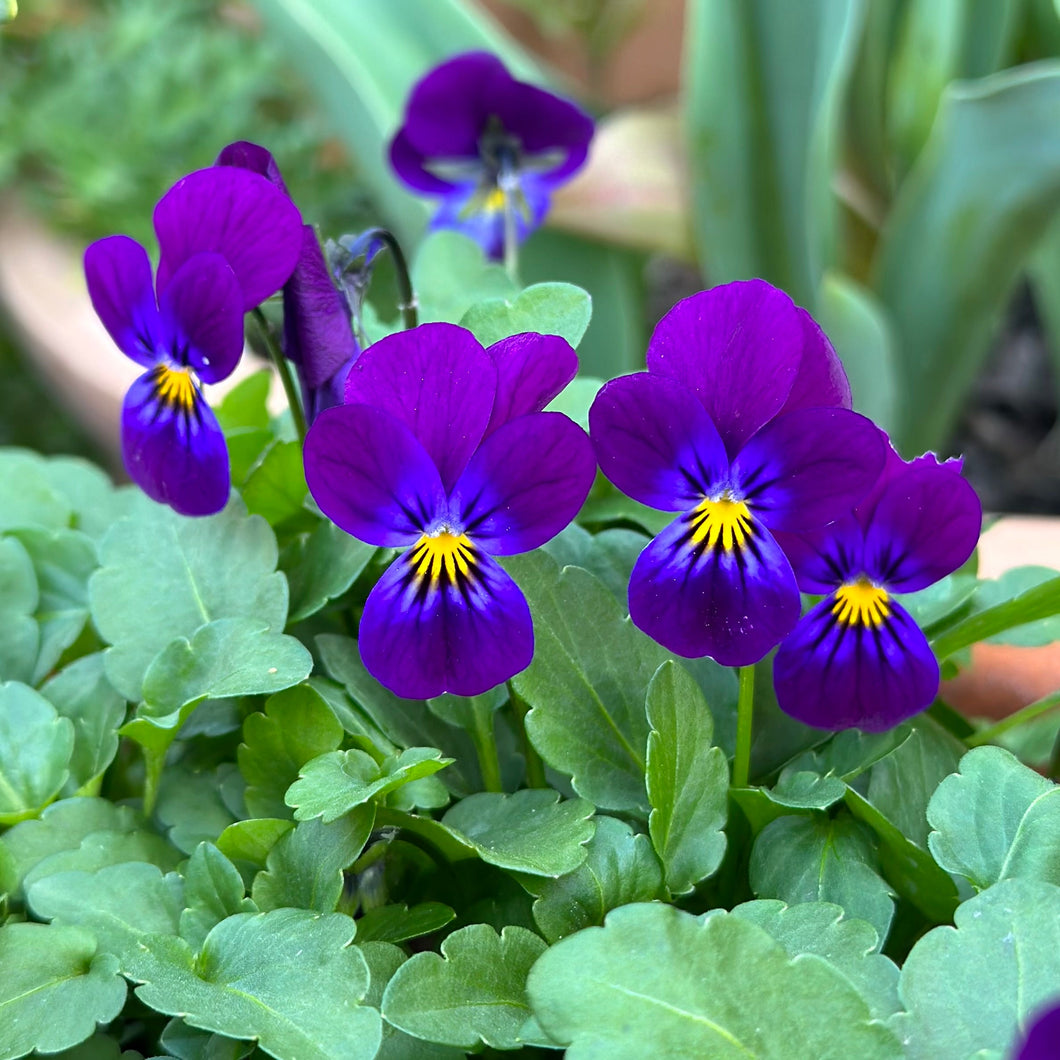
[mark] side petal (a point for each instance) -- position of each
(421, 638)
(531, 370)
(258, 159)
(118, 274)
(202, 308)
(821, 381)
(410, 165)
(807, 468)
(438, 380)
(738, 348)
(172, 444)
(733, 604)
(238, 214)
(371, 476)
(835, 675)
(525, 483)
(825, 557)
(655, 441)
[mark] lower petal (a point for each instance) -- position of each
(479, 213)
(173, 447)
(732, 597)
(869, 674)
(432, 626)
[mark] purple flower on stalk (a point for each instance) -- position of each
(442, 450)
(228, 240)
(742, 425)
(488, 146)
(858, 659)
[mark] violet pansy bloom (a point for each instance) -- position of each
(739, 424)
(487, 145)
(858, 659)
(442, 450)
(228, 240)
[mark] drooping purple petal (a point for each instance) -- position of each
(245, 155)
(1043, 1036)
(202, 313)
(738, 348)
(172, 444)
(655, 441)
(525, 483)
(236, 213)
(531, 370)
(371, 476)
(439, 381)
(118, 274)
(733, 604)
(462, 635)
(806, 468)
(822, 381)
(924, 526)
(837, 675)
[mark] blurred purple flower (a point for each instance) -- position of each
(858, 659)
(228, 240)
(1043, 1037)
(485, 144)
(741, 423)
(442, 449)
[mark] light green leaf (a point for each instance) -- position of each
(941, 601)
(595, 992)
(321, 565)
(251, 841)
(548, 308)
(474, 993)
(450, 274)
(27, 497)
(191, 804)
(1009, 585)
(275, 489)
(19, 598)
(213, 890)
(576, 399)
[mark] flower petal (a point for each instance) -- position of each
(439, 381)
(410, 164)
(825, 557)
(172, 445)
(734, 604)
(525, 483)
(371, 476)
(822, 381)
(807, 468)
(655, 441)
(835, 675)
(118, 273)
(202, 309)
(465, 635)
(236, 213)
(531, 370)
(245, 155)
(738, 348)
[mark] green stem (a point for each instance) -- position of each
(1021, 717)
(741, 763)
(284, 370)
(486, 748)
(408, 306)
(511, 240)
(535, 768)
(154, 762)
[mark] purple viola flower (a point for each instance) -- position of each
(1043, 1037)
(228, 240)
(442, 450)
(488, 145)
(857, 659)
(742, 425)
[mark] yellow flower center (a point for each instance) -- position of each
(493, 201)
(725, 523)
(443, 555)
(175, 387)
(861, 603)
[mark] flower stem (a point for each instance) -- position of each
(362, 246)
(1013, 721)
(535, 768)
(486, 745)
(511, 240)
(741, 763)
(284, 370)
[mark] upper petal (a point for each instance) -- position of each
(371, 476)
(531, 370)
(436, 378)
(245, 155)
(821, 381)
(655, 441)
(118, 274)
(545, 124)
(525, 483)
(236, 213)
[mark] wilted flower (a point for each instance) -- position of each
(858, 659)
(442, 449)
(488, 146)
(735, 425)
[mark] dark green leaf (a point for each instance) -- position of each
(398, 923)
(275, 489)
(321, 565)
(191, 804)
(213, 890)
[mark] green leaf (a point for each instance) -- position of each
(450, 274)
(220, 566)
(587, 683)
(974, 988)
(246, 404)
(321, 565)
(398, 923)
(474, 993)
(55, 988)
(816, 859)
(620, 867)
(27, 497)
(19, 598)
(576, 399)
(1011, 584)
(296, 727)
(941, 601)
(275, 489)
(530, 831)
(190, 1043)
(548, 308)
(251, 841)
(35, 749)
(334, 783)
(688, 780)
(595, 992)
(213, 890)
(995, 819)
(191, 804)
(287, 979)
